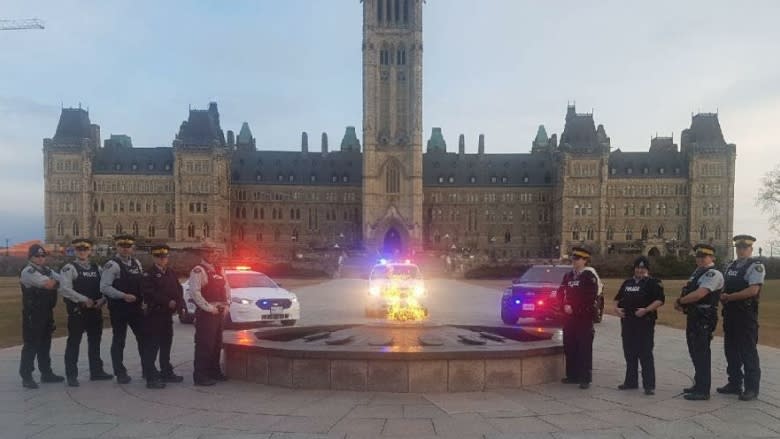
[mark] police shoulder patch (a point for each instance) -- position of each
(31, 270)
(759, 267)
(66, 268)
(108, 265)
(710, 273)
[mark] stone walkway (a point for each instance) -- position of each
(242, 410)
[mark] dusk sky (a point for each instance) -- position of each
(498, 67)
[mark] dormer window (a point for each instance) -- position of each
(472, 179)
(525, 179)
(280, 178)
(134, 166)
(451, 179)
(441, 179)
(613, 171)
(117, 166)
(291, 178)
(494, 179)
(259, 177)
(504, 179)
(676, 171)
(645, 170)
(661, 171)
(313, 178)
(168, 166)
(150, 166)
(629, 171)
(345, 178)
(334, 178)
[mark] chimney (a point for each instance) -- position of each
(462, 144)
(304, 142)
(324, 143)
(231, 138)
(481, 145)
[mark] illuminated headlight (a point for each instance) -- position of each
(240, 300)
(374, 291)
(419, 290)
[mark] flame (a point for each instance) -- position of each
(403, 306)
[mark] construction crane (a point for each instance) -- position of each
(30, 23)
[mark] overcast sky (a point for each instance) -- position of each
(498, 67)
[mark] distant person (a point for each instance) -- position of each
(699, 301)
(579, 291)
(121, 282)
(80, 289)
(636, 303)
(208, 290)
(162, 295)
(39, 297)
(743, 280)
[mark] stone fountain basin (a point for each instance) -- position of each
(395, 357)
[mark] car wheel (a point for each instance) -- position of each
(288, 322)
(508, 318)
(185, 317)
(599, 310)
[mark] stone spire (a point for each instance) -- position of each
(350, 141)
(436, 143)
(304, 142)
(244, 140)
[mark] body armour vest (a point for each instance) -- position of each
(214, 290)
(735, 282)
(693, 284)
(130, 277)
(38, 297)
(166, 285)
(87, 282)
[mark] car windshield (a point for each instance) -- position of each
(553, 275)
(388, 271)
(250, 280)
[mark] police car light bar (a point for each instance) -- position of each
(243, 268)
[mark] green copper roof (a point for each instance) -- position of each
(350, 141)
(436, 143)
(245, 135)
(541, 135)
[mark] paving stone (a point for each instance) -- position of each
(139, 429)
(377, 411)
(522, 425)
(202, 418)
(359, 426)
(304, 424)
(408, 427)
(80, 431)
(467, 424)
(307, 436)
(744, 428)
(682, 428)
(254, 423)
(576, 421)
(423, 411)
(453, 403)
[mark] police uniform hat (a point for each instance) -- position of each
(161, 250)
(36, 250)
(744, 240)
(124, 240)
(642, 262)
(704, 250)
(82, 243)
(581, 252)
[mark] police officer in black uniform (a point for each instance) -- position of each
(744, 278)
(80, 289)
(579, 291)
(162, 295)
(39, 297)
(699, 301)
(208, 289)
(636, 303)
(121, 282)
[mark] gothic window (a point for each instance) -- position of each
(576, 210)
(60, 229)
(297, 214)
(661, 231)
(406, 11)
(191, 231)
(629, 234)
(575, 233)
(610, 234)
(171, 230)
(118, 229)
(645, 233)
(717, 232)
(401, 56)
(151, 231)
(589, 234)
(612, 210)
(703, 232)
(102, 206)
(393, 183)
(238, 212)
(254, 213)
(206, 230)
(262, 213)
(507, 237)
(379, 13)
(717, 209)
(590, 209)
(241, 232)
(680, 233)
(135, 229)
(99, 230)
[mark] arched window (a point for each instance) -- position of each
(171, 230)
(576, 210)
(206, 230)
(507, 237)
(406, 11)
(118, 229)
(60, 229)
(191, 230)
(645, 233)
(610, 234)
(575, 233)
(99, 229)
(717, 232)
(393, 182)
(135, 229)
(152, 231)
(262, 213)
(629, 234)
(75, 229)
(589, 234)
(703, 232)
(661, 231)
(243, 212)
(680, 233)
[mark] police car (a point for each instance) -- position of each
(254, 298)
(395, 281)
(535, 294)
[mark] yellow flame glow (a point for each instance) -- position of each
(403, 306)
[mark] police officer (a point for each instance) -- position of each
(162, 295)
(579, 291)
(39, 297)
(743, 278)
(636, 303)
(699, 301)
(80, 289)
(121, 282)
(208, 289)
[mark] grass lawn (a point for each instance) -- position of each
(11, 309)
(768, 333)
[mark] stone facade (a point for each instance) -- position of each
(576, 190)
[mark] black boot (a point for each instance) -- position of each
(697, 396)
(51, 377)
(171, 377)
(748, 395)
(625, 386)
(29, 383)
(73, 382)
(155, 384)
(205, 382)
(730, 389)
(689, 389)
(123, 378)
(100, 376)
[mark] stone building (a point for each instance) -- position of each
(389, 194)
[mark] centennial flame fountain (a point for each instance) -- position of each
(404, 353)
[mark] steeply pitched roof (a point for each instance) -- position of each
(74, 124)
(704, 131)
(201, 129)
(436, 143)
(245, 135)
(580, 134)
(507, 170)
(312, 168)
(138, 161)
(655, 164)
(350, 141)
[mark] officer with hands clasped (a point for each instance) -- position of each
(80, 289)
(699, 301)
(743, 278)
(39, 297)
(636, 303)
(121, 282)
(579, 289)
(208, 288)
(162, 295)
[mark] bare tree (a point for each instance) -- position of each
(768, 198)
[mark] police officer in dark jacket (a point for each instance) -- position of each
(121, 282)
(743, 280)
(80, 289)
(39, 297)
(208, 290)
(636, 303)
(699, 301)
(162, 295)
(579, 291)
